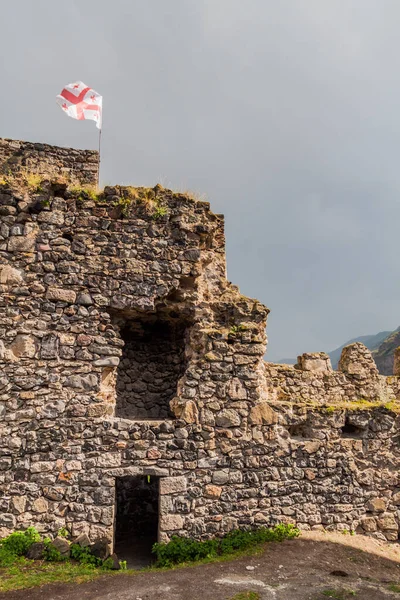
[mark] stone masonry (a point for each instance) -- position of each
(79, 166)
(125, 351)
(152, 361)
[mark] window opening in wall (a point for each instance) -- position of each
(136, 521)
(152, 362)
(351, 431)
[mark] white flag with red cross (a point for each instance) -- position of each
(81, 102)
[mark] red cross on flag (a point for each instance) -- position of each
(81, 102)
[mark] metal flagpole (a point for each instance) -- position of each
(98, 171)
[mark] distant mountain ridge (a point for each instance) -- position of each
(382, 346)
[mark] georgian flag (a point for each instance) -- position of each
(81, 102)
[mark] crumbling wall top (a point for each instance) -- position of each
(356, 360)
(78, 166)
(317, 361)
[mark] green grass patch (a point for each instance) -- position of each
(393, 587)
(27, 574)
(17, 572)
(16, 545)
(246, 596)
(185, 550)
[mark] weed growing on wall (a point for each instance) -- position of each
(87, 192)
(23, 180)
(158, 212)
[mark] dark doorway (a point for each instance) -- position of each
(136, 523)
(152, 362)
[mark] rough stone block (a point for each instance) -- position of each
(184, 409)
(83, 540)
(387, 521)
(24, 346)
(173, 485)
(110, 361)
(82, 382)
(108, 460)
(21, 243)
(318, 362)
(212, 491)
(171, 522)
(36, 551)
(18, 503)
(84, 299)
(54, 409)
(52, 217)
(7, 520)
(236, 390)
(10, 276)
(312, 446)
(377, 505)
(263, 414)
(101, 549)
(40, 505)
(49, 348)
(62, 546)
(261, 518)
(227, 418)
(220, 477)
(391, 536)
(61, 295)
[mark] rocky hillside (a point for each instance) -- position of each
(383, 355)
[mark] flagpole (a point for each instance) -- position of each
(98, 171)
(78, 99)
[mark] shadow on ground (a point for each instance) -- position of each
(314, 567)
(136, 552)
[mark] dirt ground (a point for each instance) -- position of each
(314, 567)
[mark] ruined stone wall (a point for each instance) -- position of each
(337, 443)
(79, 166)
(246, 443)
(313, 381)
(74, 273)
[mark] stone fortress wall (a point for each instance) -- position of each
(78, 166)
(125, 351)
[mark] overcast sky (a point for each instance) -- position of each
(283, 113)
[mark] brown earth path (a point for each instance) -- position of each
(301, 569)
